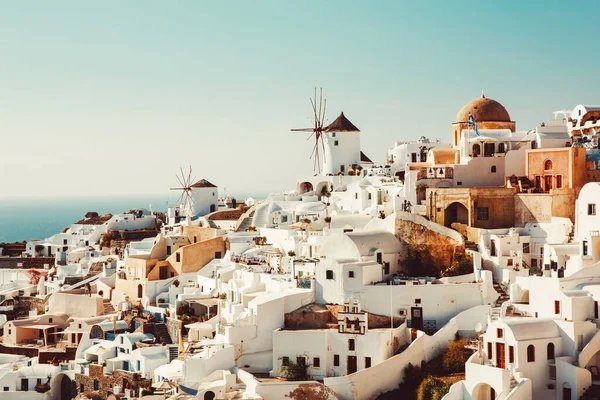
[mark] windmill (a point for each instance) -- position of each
(317, 129)
(185, 199)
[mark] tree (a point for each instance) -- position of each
(456, 356)
(462, 264)
(432, 388)
(294, 371)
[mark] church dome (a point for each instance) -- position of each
(483, 109)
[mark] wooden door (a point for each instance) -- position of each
(500, 355)
(162, 272)
(566, 393)
(416, 317)
(352, 365)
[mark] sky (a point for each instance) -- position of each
(112, 98)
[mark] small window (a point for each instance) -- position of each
(482, 213)
(493, 169)
(386, 268)
(592, 209)
(530, 353)
(172, 274)
(526, 248)
(459, 183)
(335, 143)
(329, 274)
(6, 388)
(81, 388)
(350, 274)
(511, 354)
(336, 360)
(550, 351)
(178, 257)
(489, 350)
(417, 301)
(96, 385)
(499, 333)
(79, 326)
(370, 196)
(356, 196)
(509, 262)
(285, 361)
(558, 181)
(333, 134)
(168, 250)
(49, 320)
(548, 166)
(367, 362)
(556, 306)
(64, 241)
(316, 362)
(195, 239)
(351, 345)
(217, 254)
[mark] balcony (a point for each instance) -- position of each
(436, 173)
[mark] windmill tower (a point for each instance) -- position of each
(196, 199)
(336, 146)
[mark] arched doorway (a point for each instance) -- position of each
(213, 208)
(209, 395)
(566, 391)
(483, 391)
(140, 291)
(305, 187)
(456, 212)
(63, 388)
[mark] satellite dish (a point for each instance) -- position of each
(478, 327)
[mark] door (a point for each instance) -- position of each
(24, 385)
(162, 272)
(547, 182)
(416, 317)
(500, 355)
(351, 364)
(566, 393)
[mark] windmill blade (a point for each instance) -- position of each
(315, 148)
(303, 130)
(311, 135)
(320, 105)
(180, 181)
(323, 116)
(190, 177)
(323, 145)
(179, 188)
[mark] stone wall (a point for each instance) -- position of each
(430, 247)
(106, 383)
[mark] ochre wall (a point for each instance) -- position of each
(195, 256)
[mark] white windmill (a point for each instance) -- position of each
(185, 200)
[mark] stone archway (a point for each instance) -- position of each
(483, 391)
(456, 212)
(62, 388)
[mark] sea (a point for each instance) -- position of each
(39, 218)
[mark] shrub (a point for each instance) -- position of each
(327, 220)
(294, 371)
(462, 264)
(176, 283)
(456, 356)
(291, 253)
(432, 389)
(413, 375)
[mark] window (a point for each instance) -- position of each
(489, 352)
(526, 248)
(195, 239)
(499, 333)
(596, 309)
(168, 250)
(49, 320)
(534, 144)
(356, 196)
(178, 257)
(285, 361)
(351, 345)
(350, 274)
(509, 262)
(459, 183)
(333, 134)
(81, 388)
(413, 157)
(556, 306)
(511, 354)
(6, 388)
(367, 362)
(417, 301)
(316, 362)
(96, 385)
(79, 326)
(386, 268)
(550, 351)
(139, 365)
(64, 241)
(493, 169)
(548, 165)
(592, 209)
(336, 360)
(369, 196)
(39, 381)
(585, 247)
(482, 213)
(217, 254)
(329, 274)
(558, 181)
(335, 143)
(530, 353)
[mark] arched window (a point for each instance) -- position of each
(550, 351)
(501, 148)
(493, 169)
(476, 150)
(530, 353)
(140, 291)
(548, 165)
(533, 144)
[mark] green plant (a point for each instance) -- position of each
(251, 229)
(223, 296)
(462, 264)
(176, 283)
(327, 220)
(456, 356)
(432, 388)
(291, 253)
(294, 371)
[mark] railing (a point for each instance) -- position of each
(429, 325)
(304, 283)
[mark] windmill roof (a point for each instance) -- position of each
(341, 124)
(364, 159)
(203, 183)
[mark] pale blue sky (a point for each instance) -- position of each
(113, 98)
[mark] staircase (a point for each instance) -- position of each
(513, 383)
(261, 215)
(162, 333)
(503, 295)
(173, 353)
(108, 307)
(245, 224)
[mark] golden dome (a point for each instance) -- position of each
(483, 109)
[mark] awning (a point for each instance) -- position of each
(205, 302)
